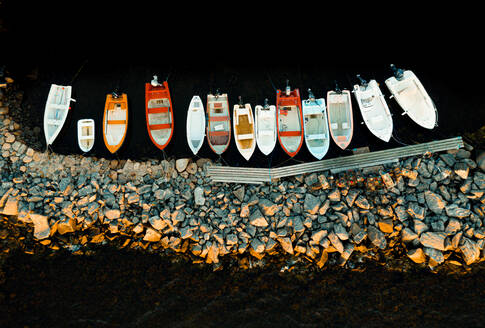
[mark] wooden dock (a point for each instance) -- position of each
(250, 175)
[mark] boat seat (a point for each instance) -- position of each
(116, 122)
(334, 126)
(345, 125)
(316, 136)
(245, 136)
(290, 133)
(54, 122)
(218, 118)
(86, 137)
(160, 126)
(266, 133)
(377, 119)
(158, 110)
(57, 106)
(218, 133)
(313, 110)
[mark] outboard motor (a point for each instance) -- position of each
(398, 73)
(311, 97)
(155, 81)
(288, 89)
(266, 104)
(337, 89)
(362, 81)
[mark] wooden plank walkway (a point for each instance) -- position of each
(260, 175)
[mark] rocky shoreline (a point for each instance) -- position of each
(429, 214)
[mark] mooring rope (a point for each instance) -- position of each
(78, 71)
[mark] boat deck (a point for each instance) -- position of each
(229, 174)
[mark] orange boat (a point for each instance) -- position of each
(115, 121)
(289, 120)
(159, 114)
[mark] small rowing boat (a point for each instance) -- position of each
(289, 120)
(219, 122)
(339, 112)
(315, 125)
(195, 124)
(85, 134)
(410, 94)
(115, 121)
(158, 110)
(56, 109)
(244, 134)
(265, 126)
(374, 109)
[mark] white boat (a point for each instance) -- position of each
(315, 125)
(412, 97)
(374, 108)
(195, 124)
(85, 134)
(265, 125)
(340, 120)
(56, 110)
(244, 134)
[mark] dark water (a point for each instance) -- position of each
(92, 78)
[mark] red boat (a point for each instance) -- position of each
(289, 120)
(159, 114)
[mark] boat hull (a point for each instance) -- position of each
(317, 138)
(115, 122)
(219, 123)
(265, 126)
(374, 110)
(56, 110)
(195, 124)
(244, 132)
(340, 120)
(159, 114)
(85, 134)
(289, 120)
(413, 99)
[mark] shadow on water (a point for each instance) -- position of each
(460, 106)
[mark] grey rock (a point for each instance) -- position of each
(416, 211)
(351, 197)
(257, 219)
(434, 201)
(199, 196)
(239, 193)
(267, 207)
(298, 225)
(341, 232)
(480, 160)
(186, 232)
(462, 170)
(286, 244)
(454, 211)
(335, 240)
(401, 213)
(434, 240)
(416, 255)
(434, 254)
(470, 251)
(334, 196)
(362, 202)
(311, 204)
(407, 235)
(317, 236)
(257, 245)
(448, 159)
(181, 164)
(376, 237)
(112, 214)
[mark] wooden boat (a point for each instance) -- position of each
(374, 108)
(219, 122)
(289, 120)
(159, 114)
(115, 121)
(244, 132)
(412, 97)
(195, 124)
(56, 109)
(339, 112)
(317, 138)
(265, 126)
(85, 134)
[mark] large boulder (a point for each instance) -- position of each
(434, 201)
(434, 240)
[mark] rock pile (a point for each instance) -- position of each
(434, 211)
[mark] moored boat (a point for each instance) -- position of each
(219, 122)
(340, 120)
(159, 113)
(374, 109)
(85, 134)
(195, 124)
(115, 121)
(410, 94)
(244, 134)
(56, 109)
(265, 126)
(317, 137)
(289, 120)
